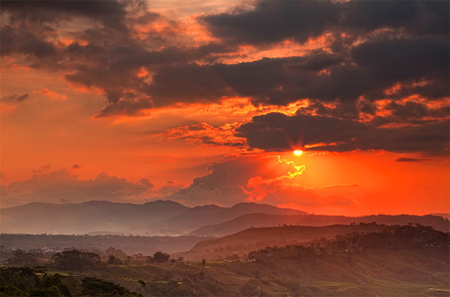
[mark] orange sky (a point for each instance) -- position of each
(194, 103)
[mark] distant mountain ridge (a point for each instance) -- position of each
(162, 218)
(152, 218)
(268, 220)
(200, 216)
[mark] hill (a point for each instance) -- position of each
(268, 220)
(410, 260)
(444, 215)
(250, 239)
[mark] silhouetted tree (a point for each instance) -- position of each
(160, 257)
(75, 260)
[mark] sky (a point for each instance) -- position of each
(204, 102)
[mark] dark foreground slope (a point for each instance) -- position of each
(405, 272)
(398, 261)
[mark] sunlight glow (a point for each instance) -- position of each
(298, 168)
(298, 153)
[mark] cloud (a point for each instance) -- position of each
(254, 178)
(416, 17)
(203, 133)
(410, 160)
(14, 98)
(395, 60)
(109, 13)
(63, 184)
(43, 168)
(23, 41)
(274, 21)
(365, 49)
(223, 185)
(279, 132)
(51, 94)
(368, 73)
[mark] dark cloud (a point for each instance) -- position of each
(372, 69)
(20, 40)
(417, 17)
(410, 160)
(274, 21)
(224, 184)
(279, 132)
(202, 133)
(110, 13)
(373, 46)
(416, 110)
(276, 81)
(116, 67)
(405, 59)
(14, 98)
(33, 25)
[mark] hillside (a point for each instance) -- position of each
(398, 261)
(269, 220)
(444, 215)
(103, 217)
(250, 239)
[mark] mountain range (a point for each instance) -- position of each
(161, 218)
(103, 217)
(268, 220)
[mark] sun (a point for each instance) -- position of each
(298, 152)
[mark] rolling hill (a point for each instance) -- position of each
(250, 239)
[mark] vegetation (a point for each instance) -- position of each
(24, 281)
(409, 260)
(75, 260)
(392, 238)
(128, 244)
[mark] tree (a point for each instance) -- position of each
(22, 258)
(160, 257)
(114, 260)
(75, 260)
(97, 287)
